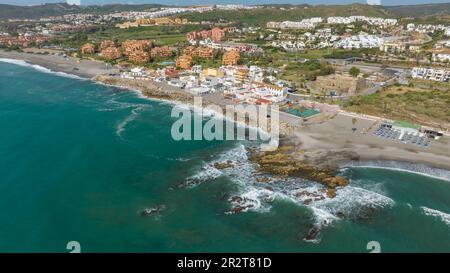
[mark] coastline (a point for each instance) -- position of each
(86, 69)
(330, 144)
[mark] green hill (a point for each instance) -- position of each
(45, 10)
(278, 12)
(31, 12)
(288, 12)
(418, 11)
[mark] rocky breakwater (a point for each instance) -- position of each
(149, 89)
(284, 162)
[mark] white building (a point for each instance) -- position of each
(359, 41)
(431, 74)
(441, 57)
(382, 22)
(309, 23)
(135, 73)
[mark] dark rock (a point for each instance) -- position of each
(312, 234)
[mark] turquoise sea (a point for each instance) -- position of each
(79, 162)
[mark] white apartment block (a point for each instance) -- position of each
(359, 41)
(370, 20)
(431, 74)
(441, 57)
(427, 28)
(309, 23)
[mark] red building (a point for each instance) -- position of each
(217, 34)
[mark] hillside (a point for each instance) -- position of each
(420, 10)
(38, 11)
(262, 15)
(288, 12)
(31, 12)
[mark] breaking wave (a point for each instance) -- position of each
(444, 217)
(113, 105)
(257, 192)
(40, 68)
(414, 168)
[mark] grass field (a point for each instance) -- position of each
(163, 35)
(422, 102)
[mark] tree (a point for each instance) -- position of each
(354, 71)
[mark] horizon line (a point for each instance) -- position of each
(268, 4)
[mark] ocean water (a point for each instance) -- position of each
(79, 161)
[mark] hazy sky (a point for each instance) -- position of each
(249, 2)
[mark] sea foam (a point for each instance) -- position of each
(414, 168)
(444, 217)
(40, 68)
(254, 195)
(120, 126)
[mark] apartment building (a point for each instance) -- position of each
(184, 62)
(88, 49)
(231, 57)
(130, 46)
(441, 75)
(162, 51)
(111, 53)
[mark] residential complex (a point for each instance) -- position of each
(442, 75)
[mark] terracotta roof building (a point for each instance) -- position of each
(139, 57)
(231, 57)
(184, 62)
(111, 53)
(129, 46)
(106, 43)
(202, 52)
(163, 51)
(205, 52)
(88, 49)
(241, 75)
(217, 34)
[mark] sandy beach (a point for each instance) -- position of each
(335, 142)
(330, 143)
(58, 63)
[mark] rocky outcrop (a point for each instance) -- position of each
(224, 165)
(148, 88)
(283, 162)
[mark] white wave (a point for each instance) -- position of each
(253, 195)
(445, 217)
(40, 68)
(113, 105)
(418, 169)
(255, 199)
(180, 159)
(354, 202)
(208, 113)
(207, 173)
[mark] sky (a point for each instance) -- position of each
(248, 2)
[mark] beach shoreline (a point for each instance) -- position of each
(330, 144)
